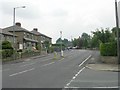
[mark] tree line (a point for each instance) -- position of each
(98, 36)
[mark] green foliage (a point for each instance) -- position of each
(108, 49)
(82, 42)
(103, 35)
(94, 42)
(47, 45)
(38, 47)
(75, 42)
(59, 41)
(7, 53)
(66, 42)
(6, 45)
(114, 31)
(7, 49)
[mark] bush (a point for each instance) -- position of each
(7, 49)
(7, 53)
(108, 49)
(6, 45)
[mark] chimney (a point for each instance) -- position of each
(35, 29)
(18, 24)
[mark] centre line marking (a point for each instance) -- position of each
(61, 59)
(74, 77)
(21, 72)
(47, 64)
(85, 61)
(27, 64)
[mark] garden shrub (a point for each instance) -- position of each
(7, 49)
(108, 49)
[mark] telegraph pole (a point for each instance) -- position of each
(61, 43)
(117, 28)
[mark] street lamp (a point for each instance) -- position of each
(14, 25)
(117, 28)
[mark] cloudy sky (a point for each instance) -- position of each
(72, 17)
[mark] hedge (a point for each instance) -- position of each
(7, 49)
(108, 49)
(7, 53)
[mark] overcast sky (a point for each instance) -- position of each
(72, 17)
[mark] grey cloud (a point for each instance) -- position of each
(29, 12)
(59, 13)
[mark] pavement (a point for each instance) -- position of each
(96, 64)
(23, 59)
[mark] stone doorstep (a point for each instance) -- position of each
(106, 67)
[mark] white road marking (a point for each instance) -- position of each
(107, 87)
(92, 87)
(85, 61)
(47, 64)
(46, 60)
(27, 64)
(61, 59)
(75, 77)
(21, 72)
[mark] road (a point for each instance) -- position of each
(67, 72)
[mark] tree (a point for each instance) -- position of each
(47, 45)
(6, 45)
(58, 41)
(75, 42)
(102, 35)
(66, 42)
(114, 31)
(85, 40)
(80, 43)
(94, 42)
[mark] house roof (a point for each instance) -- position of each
(16, 29)
(27, 39)
(38, 33)
(35, 32)
(45, 36)
(6, 32)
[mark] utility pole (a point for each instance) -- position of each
(117, 28)
(61, 44)
(14, 40)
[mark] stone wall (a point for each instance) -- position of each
(109, 59)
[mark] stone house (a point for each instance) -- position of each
(7, 36)
(25, 40)
(41, 38)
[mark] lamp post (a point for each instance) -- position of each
(14, 25)
(61, 44)
(117, 28)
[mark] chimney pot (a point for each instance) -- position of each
(35, 29)
(18, 24)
